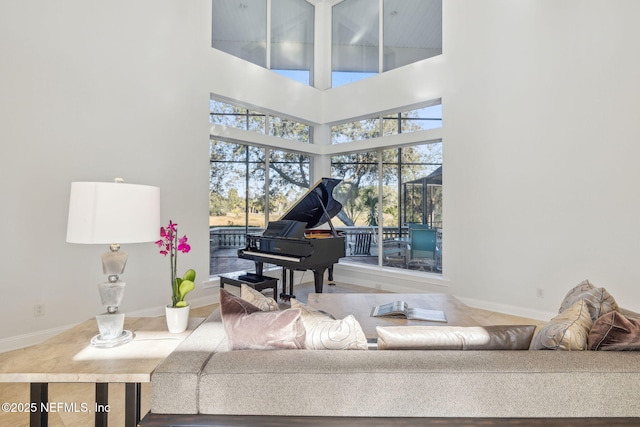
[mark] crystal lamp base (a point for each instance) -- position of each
(111, 329)
(100, 342)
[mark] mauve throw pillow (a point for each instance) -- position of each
(249, 328)
(614, 331)
(599, 299)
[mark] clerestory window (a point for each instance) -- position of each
(374, 36)
(368, 37)
(423, 118)
(239, 117)
(274, 34)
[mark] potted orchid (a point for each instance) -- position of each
(170, 244)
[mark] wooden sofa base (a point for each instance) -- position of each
(161, 420)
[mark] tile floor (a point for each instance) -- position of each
(79, 393)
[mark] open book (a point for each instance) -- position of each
(401, 309)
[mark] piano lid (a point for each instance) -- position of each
(309, 210)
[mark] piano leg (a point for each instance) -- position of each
(318, 277)
(331, 277)
(284, 295)
(291, 295)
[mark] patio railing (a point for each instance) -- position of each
(229, 237)
(235, 237)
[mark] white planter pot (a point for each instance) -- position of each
(177, 318)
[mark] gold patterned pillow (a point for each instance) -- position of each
(256, 298)
(326, 333)
(569, 330)
(600, 300)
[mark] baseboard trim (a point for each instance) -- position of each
(26, 340)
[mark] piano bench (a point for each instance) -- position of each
(253, 280)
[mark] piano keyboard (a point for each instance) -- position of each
(272, 256)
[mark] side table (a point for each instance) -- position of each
(70, 358)
(256, 281)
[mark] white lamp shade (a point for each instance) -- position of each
(113, 212)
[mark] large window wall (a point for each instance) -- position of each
(384, 192)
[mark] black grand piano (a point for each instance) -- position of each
(292, 243)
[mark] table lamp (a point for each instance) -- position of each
(112, 213)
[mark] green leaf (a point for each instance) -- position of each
(181, 304)
(185, 287)
(190, 275)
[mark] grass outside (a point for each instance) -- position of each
(236, 220)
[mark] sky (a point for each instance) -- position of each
(338, 78)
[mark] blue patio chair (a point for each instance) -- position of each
(422, 247)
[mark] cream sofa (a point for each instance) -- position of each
(202, 377)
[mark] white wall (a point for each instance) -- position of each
(92, 90)
(540, 103)
(541, 148)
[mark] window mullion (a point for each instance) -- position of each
(268, 49)
(267, 183)
(380, 36)
(246, 191)
(267, 124)
(400, 201)
(380, 208)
